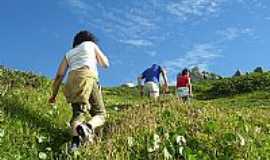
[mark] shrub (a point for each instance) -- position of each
(237, 85)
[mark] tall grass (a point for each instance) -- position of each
(236, 127)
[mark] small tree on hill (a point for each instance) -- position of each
(258, 70)
(237, 73)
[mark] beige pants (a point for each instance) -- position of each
(84, 93)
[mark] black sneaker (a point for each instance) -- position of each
(86, 132)
(75, 144)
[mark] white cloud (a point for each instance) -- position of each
(231, 33)
(200, 55)
(137, 42)
(186, 8)
(138, 24)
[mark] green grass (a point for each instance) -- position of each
(236, 127)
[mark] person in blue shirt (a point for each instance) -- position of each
(151, 77)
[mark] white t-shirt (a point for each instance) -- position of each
(83, 55)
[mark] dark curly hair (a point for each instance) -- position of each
(83, 36)
(185, 71)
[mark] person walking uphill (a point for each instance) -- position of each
(82, 89)
(183, 85)
(151, 78)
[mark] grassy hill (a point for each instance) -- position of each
(214, 126)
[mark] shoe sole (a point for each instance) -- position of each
(85, 134)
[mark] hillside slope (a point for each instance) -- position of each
(235, 127)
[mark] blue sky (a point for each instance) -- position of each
(217, 35)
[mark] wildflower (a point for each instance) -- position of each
(242, 140)
(42, 155)
(246, 128)
(50, 112)
(41, 139)
(54, 107)
(156, 144)
(2, 132)
(200, 111)
(150, 150)
(166, 153)
(181, 150)
(180, 140)
(48, 149)
(156, 141)
(130, 141)
(156, 138)
(116, 108)
(68, 124)
(257, 129)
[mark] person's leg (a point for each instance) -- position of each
(97, 109)
(154, 91)
(184, 99)
(147, 89)
(77, 120)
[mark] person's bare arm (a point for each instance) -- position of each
(190, 87)
(176, 86)
(101, 58)
(58, 79)
(164, 76)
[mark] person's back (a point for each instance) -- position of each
(152, 74)
(182, 81)
(151, 78)
(183, 85)
(83, 55)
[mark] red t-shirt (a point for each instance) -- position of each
(182, 81)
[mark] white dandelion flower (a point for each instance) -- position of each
(156, 138)
(242, 140)
(50, 112)
(68, 124)
(155, 144)
(54, 107)
(258, 130)
(116, 108)
(41, 139)
(150, 150)
(130, 141)
(181, 150)
(167, 136)
(166, 154)
(42, 155)
(180, 140)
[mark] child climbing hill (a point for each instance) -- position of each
(183, 85)
(82, 87)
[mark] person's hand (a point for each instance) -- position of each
(166, 89)
(52, 99)
(190, 94)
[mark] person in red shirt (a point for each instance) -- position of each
(184, 86)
